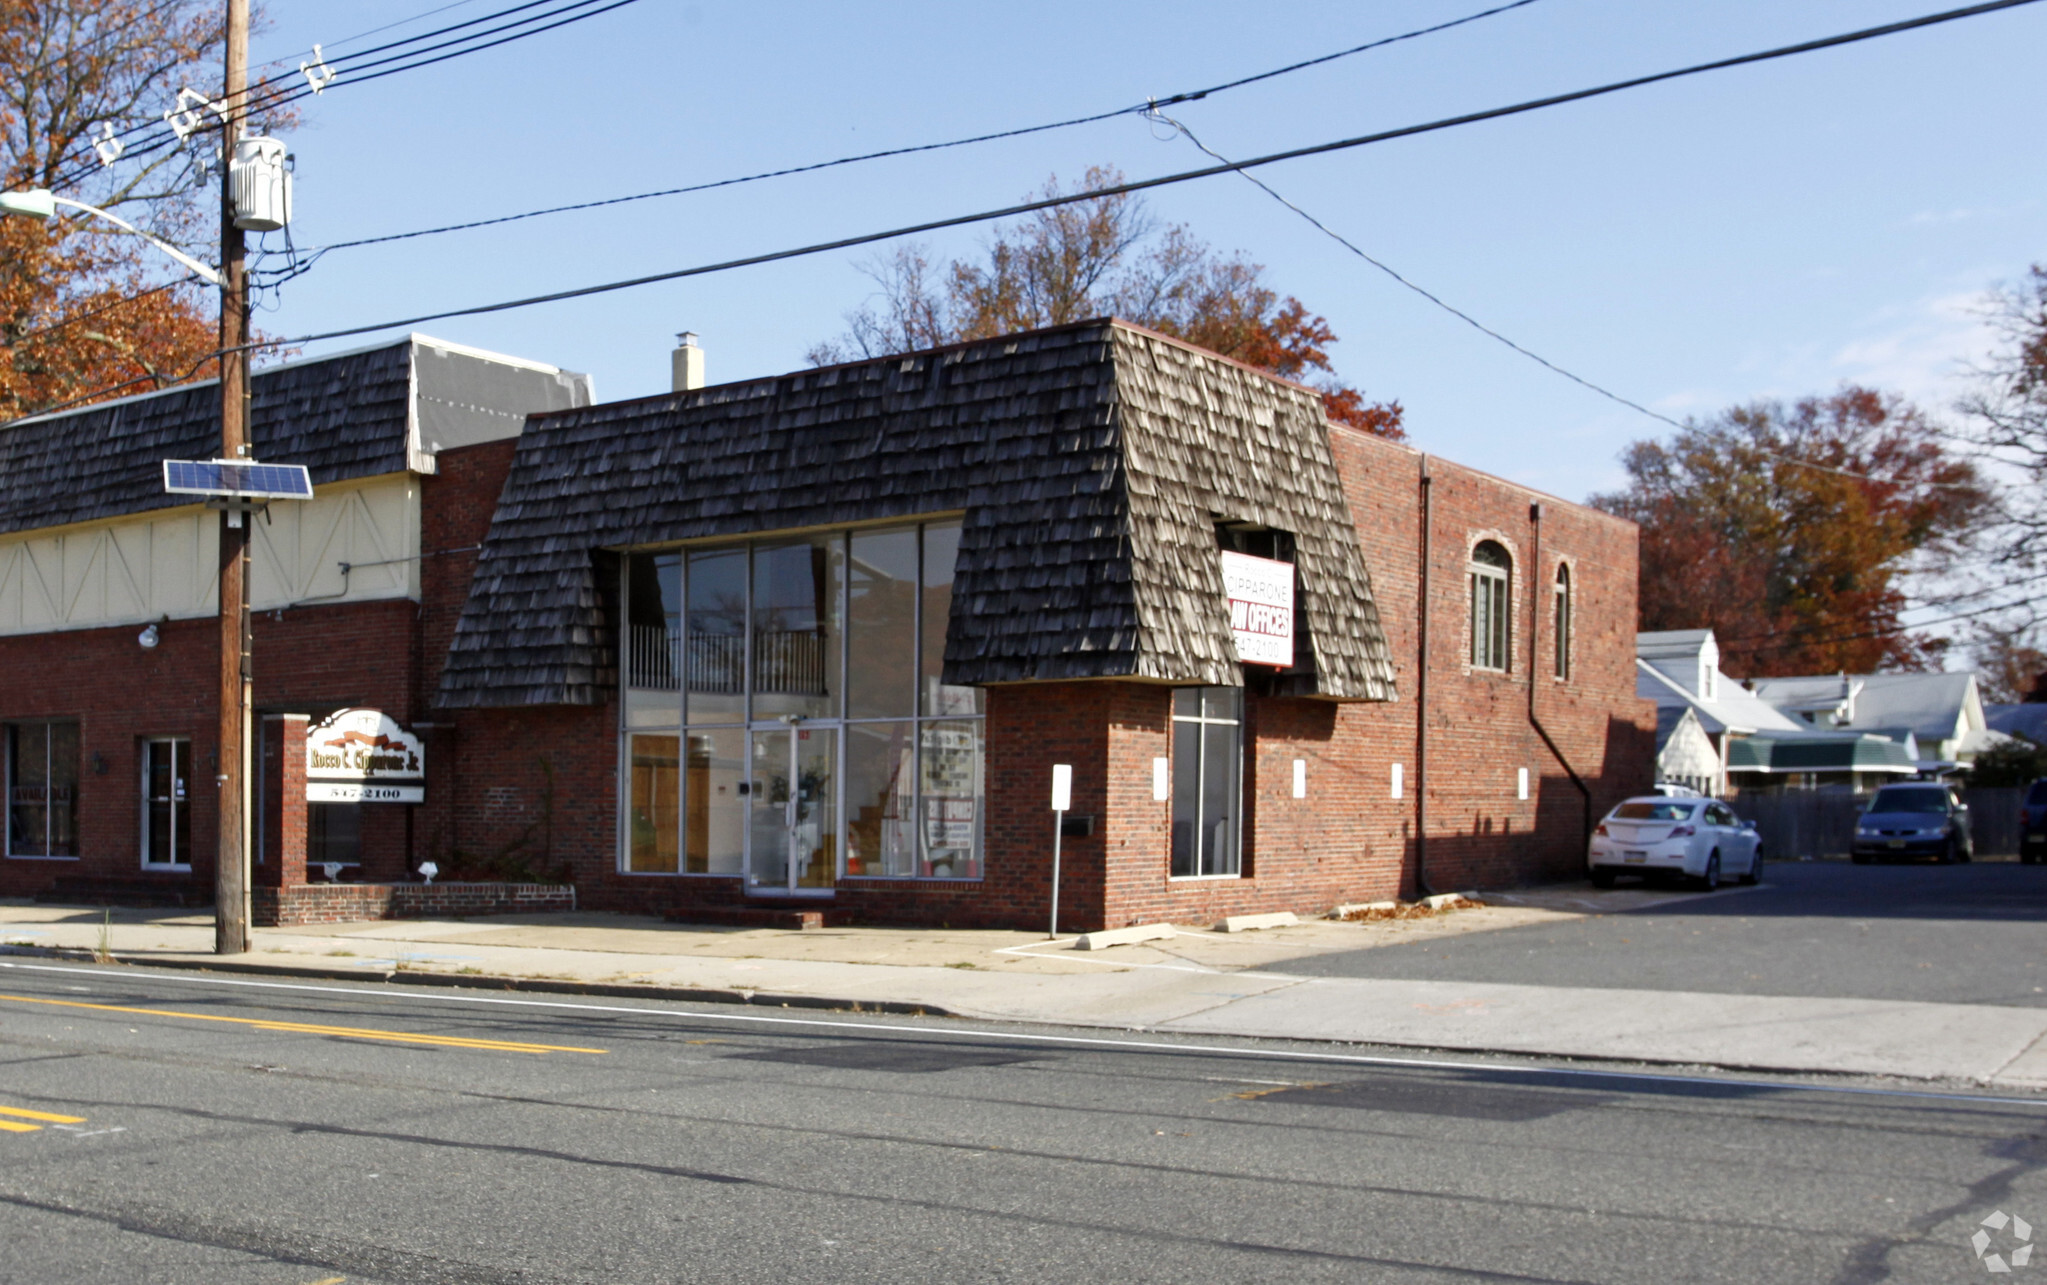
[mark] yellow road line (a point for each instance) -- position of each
(9, 1126)
(304, 1028)
(42, 1115)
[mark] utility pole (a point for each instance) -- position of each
(231, 870)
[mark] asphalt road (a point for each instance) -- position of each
(1972, 934)
(190, 1129)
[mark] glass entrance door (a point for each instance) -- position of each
(792, 831)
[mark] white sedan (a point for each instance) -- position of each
(1700, 839)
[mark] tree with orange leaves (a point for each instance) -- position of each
(1104, 257)
(88, 311)
(1790, 531)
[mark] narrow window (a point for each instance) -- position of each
(1490, 572)
(1208, 754)
(1563, 621)
(42, 789)
(166, 813)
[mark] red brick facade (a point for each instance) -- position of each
(532, 794)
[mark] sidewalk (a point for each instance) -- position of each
(1195, 982)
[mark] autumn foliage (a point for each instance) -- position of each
(81, 314)
(1103, 257)
(1790, 531)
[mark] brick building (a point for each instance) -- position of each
(818, 641)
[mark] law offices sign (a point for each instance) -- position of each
(1261, 597)
(363, 756)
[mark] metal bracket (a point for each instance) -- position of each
(109, 147)
(317, 73)
(185, 119)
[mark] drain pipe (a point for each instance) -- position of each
(1535, 664)
(1421, 703)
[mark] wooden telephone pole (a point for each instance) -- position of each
(231, 870)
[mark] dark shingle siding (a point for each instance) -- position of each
(1067, 569)
(342, 417)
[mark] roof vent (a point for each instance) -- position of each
(686, 363)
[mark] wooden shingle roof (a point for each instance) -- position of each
(1092, 462)
(343, 417)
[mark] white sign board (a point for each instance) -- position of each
(1062, 787)
(1261, 597)
(363, 756)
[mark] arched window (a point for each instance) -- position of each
(1563, 620)
(1491, 576)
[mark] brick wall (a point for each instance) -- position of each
(309, 657)
(347, 903)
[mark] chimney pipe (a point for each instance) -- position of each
(686, 363)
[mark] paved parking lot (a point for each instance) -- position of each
(1955, 934)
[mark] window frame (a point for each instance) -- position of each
(1201, 720)
(10, 738)
(1490, 587)
(923, 714)
(181, 754)
(1563, 620)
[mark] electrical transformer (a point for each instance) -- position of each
(262, 184)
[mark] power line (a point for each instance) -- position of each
(1889, 632)
(1019, 132)
(1533, 356)
(1829, 42)
(257, 97)
(1139, 185)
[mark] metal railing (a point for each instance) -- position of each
(786, 662)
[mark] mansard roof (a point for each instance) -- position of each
(1092, 463)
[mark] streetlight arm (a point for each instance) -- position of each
(209, 275)
(40, 203)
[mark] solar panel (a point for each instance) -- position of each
(237, 479)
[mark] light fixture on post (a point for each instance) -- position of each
(41, 203)
(148, 637)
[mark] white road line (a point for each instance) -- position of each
(1084, 1041)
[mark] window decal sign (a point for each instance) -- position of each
(1261, 597)
(363, 756)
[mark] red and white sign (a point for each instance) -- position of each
(1261, 594)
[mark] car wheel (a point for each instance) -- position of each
(1710, 880)
(1602, 878)
(1754, 874)
(1859, 858)
(1950, 853)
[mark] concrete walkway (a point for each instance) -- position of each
(1196, 982)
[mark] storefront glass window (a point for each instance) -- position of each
(653, 636)
(334, 834)
(881, 625)
(715, 647)
(941, 552)
(1208, 755)
(652, 827)
(881, 799)
(952, 797)
(818, 738)
(795, 638)
(42, 789)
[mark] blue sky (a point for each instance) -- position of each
(1767, 231)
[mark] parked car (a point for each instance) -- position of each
(2033, 825)
(1652, 834)
(1919, 819)
(1674, 790)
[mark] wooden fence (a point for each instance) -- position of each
(1821, 823)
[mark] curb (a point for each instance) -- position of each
(477, 981)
